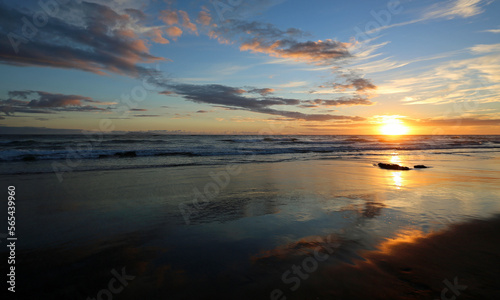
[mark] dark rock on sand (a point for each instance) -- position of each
(420, 167)
(392, 166)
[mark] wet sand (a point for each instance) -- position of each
(462, 261)
(358, 231)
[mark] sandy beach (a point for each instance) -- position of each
(322, 229)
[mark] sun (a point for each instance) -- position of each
(393, 126)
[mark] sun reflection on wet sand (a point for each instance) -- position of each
(398, 179)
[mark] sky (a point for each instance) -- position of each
(250, 66)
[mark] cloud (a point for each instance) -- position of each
(319, 52)
(233, 98)
(146, 116)
(49, 100)
(492, 30)
(258, 37)
(174, 32)
(266, 38)
(181, 116)
(186, 22)
(346, 101)
(454, 122)
(44, 102)
(89, 37)
(485, 48)
(156, 36)
(170, 17)
(471, 81)
(204, 18)
(138, 109)
(293, 84)
(359, 84)
(454, 9)
(179, 18)
(136, 14)
(262, 92)
(444, 10)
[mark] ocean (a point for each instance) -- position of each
(21, 154)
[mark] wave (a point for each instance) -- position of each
(23, 155)
(134, 141)
(33, 148)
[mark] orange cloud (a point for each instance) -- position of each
(186, 22)
(320, 52)
(204, 18)
(170, 17)
(157, 37)
(174, 32)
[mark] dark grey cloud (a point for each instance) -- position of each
(232, 98)
(40, 102)
(233, 28)
(37, 130)
(138, 109)
(357, 83)
(48, 100)
(99, 42)
(135, 13)
(346, 101)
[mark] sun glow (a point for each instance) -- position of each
(393, 126)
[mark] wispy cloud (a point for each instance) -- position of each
(342, 101)
(293, 84)
(444, 10)
(454, 9)
(492, 30)
(486, 48)
(472, 80)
